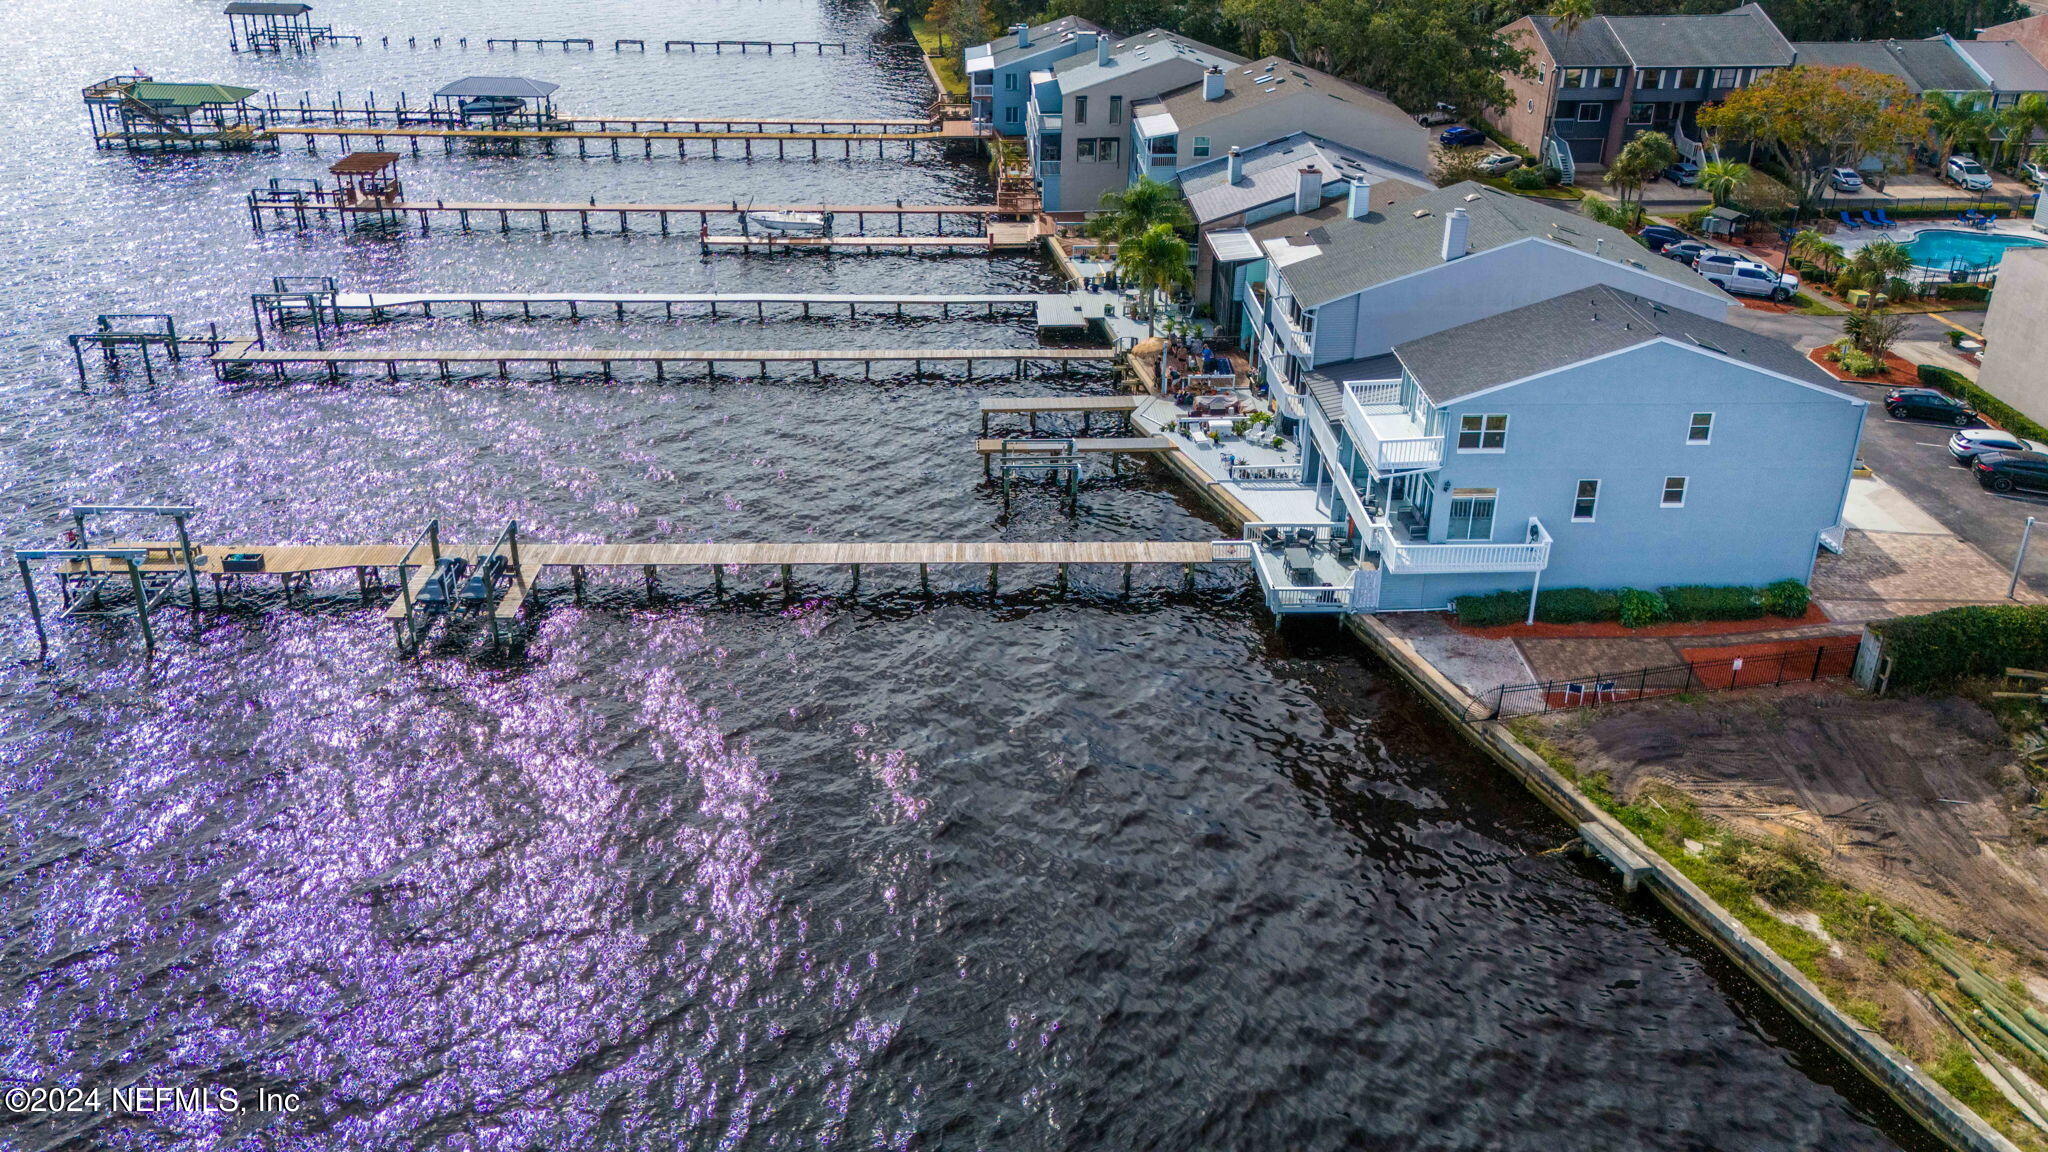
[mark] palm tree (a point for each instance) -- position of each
(1877, 263)
(2019, 123)
(1131, 212)
(1958, 119)
(1157, 259)
(1568, 15)
(1816, 249)
(1722, 178)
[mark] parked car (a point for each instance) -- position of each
(1500, 163)
(1969, 443)
(1745, 277)
(1688, 252)
(1927, 404)
(1685, 174)
(1441, 114)
(2005, 471)
(1461, 137)
(1964, 172)
(2035, 172)
(1845, 179)
(1657, 237)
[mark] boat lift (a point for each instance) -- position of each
(450, 587)
(1057, 459)
(153, 571)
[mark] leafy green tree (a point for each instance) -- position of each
(2018, 123)
(1571, 15)
(1132, 211)
(1880, 261)
(1448, 166)
(1415, 51)
(1815, 119)
(1720, 179)
(1638, 162)
(1961, 121)
(1816, 249)
(1158, 260)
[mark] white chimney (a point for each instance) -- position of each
(1235, 169)
(1361, 198)
(1023, 32)
(1308, 190)
(1457, 229)
(1212, 83)
(1102, 47)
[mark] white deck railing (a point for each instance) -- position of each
(1387, 436)
(1399, 556)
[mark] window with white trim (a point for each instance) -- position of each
(1588, 112)
(1471, 514)
(1727, 77)
(1583, 503)
(1674, 492)
(1701, 430)
(1482, 433)
(1201, 147)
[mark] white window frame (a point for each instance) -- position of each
(1664, 497)
(1482, 431)
(1572, 78)
(1581, 113)
(1693, 425)
(1649, 79)
(1592, 501)
(1200, 147)
(1727, 77)
(1642, 114)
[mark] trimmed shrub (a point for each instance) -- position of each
(1941, 648)
(1955, 340)
(1526, 180)
(1974, 292)
(1577, 605)
(1997, 411)
(1787, 598)
(1491, 610)
(1713, 602)
(1857, 362)
(1641, 608)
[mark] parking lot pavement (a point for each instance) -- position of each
(1912, 455)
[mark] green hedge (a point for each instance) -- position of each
(1634, 607)
(1707, 602)
(1998, 411)
(1941, 648)
(1975, 292)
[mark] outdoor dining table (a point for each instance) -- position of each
(1298, 559)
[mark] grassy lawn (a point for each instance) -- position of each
(945, 58)
(1561, 192)
(1812, 306)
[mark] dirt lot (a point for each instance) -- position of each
(1919, 801)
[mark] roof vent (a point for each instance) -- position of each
(1471, 196)
(1419, 213)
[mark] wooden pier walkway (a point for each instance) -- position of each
(242, 357)
(1000, 236)
(1036, 406)
(945, 132)
(303, 208)
(1050, 310)
(1141, 445)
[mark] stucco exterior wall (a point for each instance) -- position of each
(2016, 334)
(1082, 182)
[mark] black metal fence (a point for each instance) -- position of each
(1806, 663)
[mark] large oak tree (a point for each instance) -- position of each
(1815, 119)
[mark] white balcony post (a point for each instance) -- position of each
(1535, 583)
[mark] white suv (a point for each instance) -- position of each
(1746, 277)
(1965, 173)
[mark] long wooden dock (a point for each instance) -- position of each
(1120, 445)
(851, 143)
(242, 357)
(305, 208)
(1049, 310)
(1033, 407)
(999, 236)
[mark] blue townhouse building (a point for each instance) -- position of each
(999, 72)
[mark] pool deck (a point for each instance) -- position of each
(2019, 229)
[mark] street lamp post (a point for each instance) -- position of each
(2026, 534)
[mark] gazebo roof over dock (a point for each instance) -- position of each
(504, 86)
(189, 95)
(359, 163)
(258, 8)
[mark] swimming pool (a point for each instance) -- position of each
(1949, 247)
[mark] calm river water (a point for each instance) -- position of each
(1067, 873)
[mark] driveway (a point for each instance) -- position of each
(1912, 455)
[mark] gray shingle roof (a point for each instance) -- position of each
(1358, 254)
(2012, 68)
(1269, 175)
(1743, 37)
(1273, 79)
(1574, 327)
(1144, 50)
(1925, 65)
(1043, 36)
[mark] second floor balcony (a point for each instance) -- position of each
(1399, 555)
(1388, 437)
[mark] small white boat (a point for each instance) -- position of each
(802, 223)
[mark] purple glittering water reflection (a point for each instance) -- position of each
(1071, 872)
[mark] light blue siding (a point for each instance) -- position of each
(1772, 477)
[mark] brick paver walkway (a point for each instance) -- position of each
(1885, 574)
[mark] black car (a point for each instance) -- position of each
(1660, 236)
(1927, 404)
(2005, 471)
(1686, 252)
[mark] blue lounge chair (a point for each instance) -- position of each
(1871, 220)
(1885, 220)
(1849, 223)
